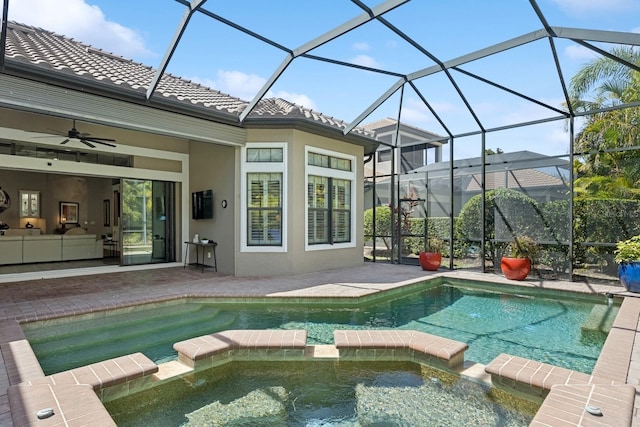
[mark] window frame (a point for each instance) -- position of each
(330, 173)
(262, 167)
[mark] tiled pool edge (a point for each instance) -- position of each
(611, 389)
(76, 396)
(366, 289)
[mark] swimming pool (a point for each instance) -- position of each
(321, 393)
(548, 329)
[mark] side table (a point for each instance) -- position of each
(199, 245)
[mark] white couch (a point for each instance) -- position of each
(20, 249)
(10, 250)
(43, 248)
(81, 246)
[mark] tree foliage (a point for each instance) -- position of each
(508, 214)
(382, 223)
(609, 163)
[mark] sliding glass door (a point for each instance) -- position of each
(148, 221)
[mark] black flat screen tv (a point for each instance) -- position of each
(202, 204)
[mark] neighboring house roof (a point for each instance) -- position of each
(498, 162)
(519, 169)
(61, 59)
(523, 178)
(417, 135)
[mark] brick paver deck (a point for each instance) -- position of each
(29, 300)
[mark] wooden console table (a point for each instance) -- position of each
(211, 244)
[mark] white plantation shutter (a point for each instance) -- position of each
(264, 209)
(341, 212)
(318, 208)
(329, 210)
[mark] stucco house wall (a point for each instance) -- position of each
(297, 259)
(212, 167)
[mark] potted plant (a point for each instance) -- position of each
(518, 256)
(431, 259)
(627, 255)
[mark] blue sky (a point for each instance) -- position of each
(225, 59)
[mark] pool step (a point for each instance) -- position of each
(600, 319)
(324, 351)
(154, 335)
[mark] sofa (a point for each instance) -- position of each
(86, 246)
(10, 249)
(19, 248)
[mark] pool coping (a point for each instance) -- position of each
(351, 290)
(67, 399)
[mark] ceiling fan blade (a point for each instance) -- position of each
(65, 141)
(85, 142)
(100, 141)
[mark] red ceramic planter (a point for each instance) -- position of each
(515, 268)
(430, 261)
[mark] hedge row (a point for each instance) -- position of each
(598, 225)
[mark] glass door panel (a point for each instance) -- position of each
(147, 222)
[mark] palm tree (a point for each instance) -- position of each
(612, 80)
(606, 143)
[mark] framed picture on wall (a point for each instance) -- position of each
(106, 212)
(116, 207)
(69, 213)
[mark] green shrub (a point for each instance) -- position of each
(523, 247)
(628, 250)
(382, 226)
(508, 213)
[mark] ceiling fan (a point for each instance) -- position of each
(86, 138)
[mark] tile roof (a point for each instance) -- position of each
(63, 56)
(522, 178)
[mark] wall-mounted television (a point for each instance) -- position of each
(202, 204)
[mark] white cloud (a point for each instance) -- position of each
(78, 20)
(246, 86)
(576, 53)
(361, 46)
(365, 61)
(296, 98)
(240, 84)
(416, 113)
(235, 83)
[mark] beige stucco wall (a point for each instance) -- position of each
(297, 259)
(213, 167)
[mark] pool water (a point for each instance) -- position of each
(544, 329)
(321, 393)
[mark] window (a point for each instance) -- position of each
(330, 199)
(264, 209)
(327, 161)
(264, 155)
(329, 218)
(263, 185)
